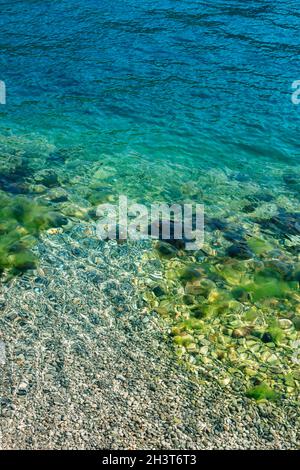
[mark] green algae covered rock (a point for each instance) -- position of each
(166, 250)
(259, 246)
(296, 323)
(274, 334)
(47, 178)
(265, 287)
(21, 221)
(190, 273)
(262, 392)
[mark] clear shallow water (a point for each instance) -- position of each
(168, 100)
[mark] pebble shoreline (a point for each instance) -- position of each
(88, 367)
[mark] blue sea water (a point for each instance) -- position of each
(206, 83)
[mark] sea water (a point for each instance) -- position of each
(172, 101)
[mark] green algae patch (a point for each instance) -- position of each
(274, 333)
(190, 325)
(183, 340)
(265, 287)
(234, 273)
(262, 392)
(21, 221)
(259, 246)
(23, 261)
(190, 273)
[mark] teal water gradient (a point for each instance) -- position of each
(163, 79)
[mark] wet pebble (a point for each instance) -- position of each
(22, 388)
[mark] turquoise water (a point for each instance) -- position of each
(165, 100)
(206, 84)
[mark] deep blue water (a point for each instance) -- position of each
(165, 79)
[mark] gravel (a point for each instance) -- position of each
(88, 367)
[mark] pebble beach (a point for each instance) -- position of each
(88, 367)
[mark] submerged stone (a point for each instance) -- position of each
(73, 210)
(296, 322)
(58, 156)
(188, 299)
(276, 266)
(21, 220)
(285, 323)
(55, 219)
(206, 286)
(216, 224)
(291, 179)
(240, 294)
(198, 312)
(241, 177)
(166, 250)
(191, 273)
(57, 195)
(47, 178)
(99, 196)
(23, 261)
(240, 251)
(199, 287)
(242, 331)
(184, 340)
(284, 223)
(234, 236)
(294, 274)
(168, 232)
(233, 273)
(158, 291)
(250, 207)
(260, 197)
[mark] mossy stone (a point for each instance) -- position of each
(296, 322)
(47, 178)
(198, 313)
(190, 273)
(166, 250)
(265, 287)
(183, 340)
(240, 251)
(259, 246)
(240, 294)
(21, 222)
(55, 219)
(23, 261)
(262, 392)
(188, 299)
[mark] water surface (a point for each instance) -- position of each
(165, 100)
